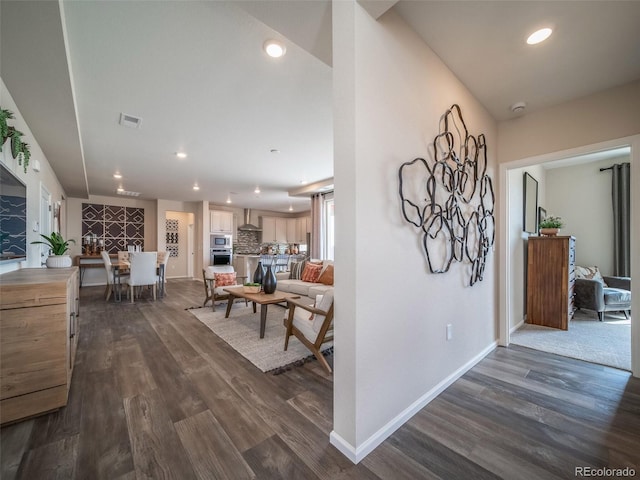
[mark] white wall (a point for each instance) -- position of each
(33, 180)
(391, 355)
(517, 244)
(581, 195)
(597, 118)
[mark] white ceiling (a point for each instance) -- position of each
(196, 74)
(595, 46)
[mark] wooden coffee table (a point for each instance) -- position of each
(264, 299)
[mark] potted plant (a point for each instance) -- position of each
(550, 226)
(59, 247)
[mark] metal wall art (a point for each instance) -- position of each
(450, 198)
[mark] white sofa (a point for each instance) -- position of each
(299, 287)
(306, 289)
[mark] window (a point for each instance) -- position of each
(328, 222)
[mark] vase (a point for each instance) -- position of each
(258, 275)
(59, 261)
(549, 232)
(269, 282)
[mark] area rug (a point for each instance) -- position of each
(242, 331)
(606, 343)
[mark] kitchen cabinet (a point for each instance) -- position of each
(221, 222)
(292, 230)
(38, 340)
(550, 281)
(285, 230)
(303, 227)
(274, 230)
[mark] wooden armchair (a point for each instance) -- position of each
(215, 292)
(312, 332)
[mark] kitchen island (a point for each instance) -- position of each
(245, 265)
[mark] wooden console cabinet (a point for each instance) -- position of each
(38, 339)
(550, 281)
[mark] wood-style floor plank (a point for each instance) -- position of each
(53, 461)
(155, 394)
(212, 453)
(157, 451)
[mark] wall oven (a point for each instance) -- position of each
(221, 256)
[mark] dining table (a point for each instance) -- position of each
(120, 266)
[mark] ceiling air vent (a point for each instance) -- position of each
(130, 121)
(127, 193)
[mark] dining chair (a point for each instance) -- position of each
(106, 259)
(266, 260)
(282, 262)
(142, 272)
(163, 259)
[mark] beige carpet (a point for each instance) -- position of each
(606, 343)
(242, 331)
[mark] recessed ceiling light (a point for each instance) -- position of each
(291, 208)
(257, 190)
(228, 198)
(120, 189)
(196, 187)
(539, 36)
(117, 175)
(303, 182)
(274, 48)
(181, 155)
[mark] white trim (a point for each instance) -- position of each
(504, 293)
(516, 326)
(357, 454)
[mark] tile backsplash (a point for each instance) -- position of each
(247, 242)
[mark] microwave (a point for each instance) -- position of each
(221, 241)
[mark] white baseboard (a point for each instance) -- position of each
(357, 454)
(516, 326)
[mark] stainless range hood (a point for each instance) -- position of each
(247, 226)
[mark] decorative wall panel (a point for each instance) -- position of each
(172, 227)
(118, 227)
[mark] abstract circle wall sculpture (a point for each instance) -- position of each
(450, 198)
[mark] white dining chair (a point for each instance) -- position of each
(142, 272)
(163, 258)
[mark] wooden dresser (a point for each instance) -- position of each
(38, 339)
(550, 281)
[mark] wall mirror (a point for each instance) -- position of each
(530, 210)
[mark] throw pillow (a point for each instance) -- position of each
(296, 270)
(224, 279)
(326, 276)
(311, 272)
(590, 273)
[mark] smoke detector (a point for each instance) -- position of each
(518, 107)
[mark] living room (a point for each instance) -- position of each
(417, 361)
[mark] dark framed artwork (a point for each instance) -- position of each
(530, 204)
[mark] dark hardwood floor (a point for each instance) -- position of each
(155, 394)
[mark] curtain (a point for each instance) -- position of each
(315, 249)
(621, 196)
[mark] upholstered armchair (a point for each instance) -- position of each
(612, 295)
(216, 278)
(311, 324)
